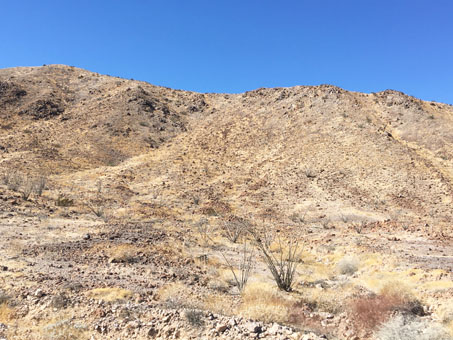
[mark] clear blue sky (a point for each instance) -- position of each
(235, 46)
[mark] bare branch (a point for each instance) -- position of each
(245, 268)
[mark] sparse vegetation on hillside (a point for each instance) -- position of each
(283, 263)
(348, 265)
(130, 211)
(245, 267)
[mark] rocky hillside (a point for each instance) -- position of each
(66, 119)
(116, 197)
(275, 151)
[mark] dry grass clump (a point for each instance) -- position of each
(64, 330)
(445, 315)
(223, 278)
(324, 300)
(173, 250)
(398, 289)
(220, 304)
(177, 295)
(97, 208)
(12, 180)
(194, 317)
(7, 313)
(410, 328)
(123, 253)
(348, 265)
(110, 294)
(218, 285)
(261, 301)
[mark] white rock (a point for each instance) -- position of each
(253, 327)
(274, 329)
(39, 293)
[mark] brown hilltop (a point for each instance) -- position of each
(73, 119)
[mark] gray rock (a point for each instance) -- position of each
(153, 332)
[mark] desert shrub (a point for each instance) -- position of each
(218, 303)
(24, 184)
(369, 312)
(64, 330)
(359, 226)
(196, 200)
(39, 185)
(218, 285)
(344, 218)
(96, 202)
(398, 290)
(210, 211)
(6, 177)
(234, 228)
(245, 268)
(63, 200)
(283, 264)
(3, 297)
(445, 314)
(301, 316)
(411, 328)
(194, 317)
(14, 181)
(348, 265)
(97, 208)
(310, 172)
(59, 301)
(204, 230)
(26, 188)
(408, 303)
(297, 217)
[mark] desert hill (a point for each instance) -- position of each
(140, 181)
(80, 119)
(285, 150)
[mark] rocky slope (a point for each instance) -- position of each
(71, 119)
(287, 149)
(134, 171)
